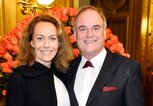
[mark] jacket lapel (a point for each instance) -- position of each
(73, 71)
(72, 75)
(104, 75)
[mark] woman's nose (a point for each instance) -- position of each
(46, 43)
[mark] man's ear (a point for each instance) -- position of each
(74, 35)
(105, 34)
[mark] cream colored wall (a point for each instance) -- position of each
(10, 13)
(1, 19)
(66, 3)
(83, 2)
(72, 3)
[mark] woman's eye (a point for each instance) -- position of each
(39, 38)
(53, 38)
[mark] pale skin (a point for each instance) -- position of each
(45, 42)
(89, 33)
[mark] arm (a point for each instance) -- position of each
(15, 91)
(133, 91)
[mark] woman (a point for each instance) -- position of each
(44, 51)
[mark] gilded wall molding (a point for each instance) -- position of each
(8, 16)
(1, 19)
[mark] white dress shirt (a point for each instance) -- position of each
(86, 77)
(61, 93)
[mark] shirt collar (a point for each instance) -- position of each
(97, 61)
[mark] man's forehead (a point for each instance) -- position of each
(94, 25)
(89, 17)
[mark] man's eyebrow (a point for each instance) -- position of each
(81, 26)
(97, 25)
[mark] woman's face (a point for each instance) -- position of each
(45, 42)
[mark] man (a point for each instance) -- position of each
(108, 79)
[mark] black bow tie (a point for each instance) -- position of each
(88, 64)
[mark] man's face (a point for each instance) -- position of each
(90, 33)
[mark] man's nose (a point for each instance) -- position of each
(90, 33)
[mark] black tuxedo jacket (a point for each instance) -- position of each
(118, 83)
(32, 86)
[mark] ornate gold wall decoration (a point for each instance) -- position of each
(10, 13)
